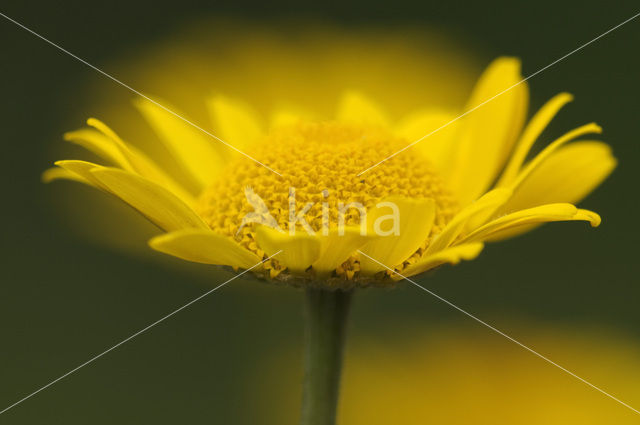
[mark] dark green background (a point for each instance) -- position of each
(63, 300)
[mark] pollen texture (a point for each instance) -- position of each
(319, 164)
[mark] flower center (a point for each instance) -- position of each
(319, 163)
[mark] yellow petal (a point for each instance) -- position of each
(323, 252)
(511, 224)
(197, 152)
(236, 123)
(568, 175)
(124, 157)
(299, 251)
(452, 255)
(356, 108)
(440, 129)
(581, 215)
(100, 144)
(57, 173)
(130, 158)
(531, 133)
(549, 150)
(488, 133)
(414, 222)
(478, 211)
(336, 248)
(204, 246)
(82, 169)
(156, 203)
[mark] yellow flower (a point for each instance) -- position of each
(310, 186)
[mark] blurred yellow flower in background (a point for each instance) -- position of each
(462, 375)
(464, 185)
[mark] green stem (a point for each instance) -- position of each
(326, 316)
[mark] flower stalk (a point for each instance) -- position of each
(325, 320)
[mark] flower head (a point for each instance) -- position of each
(347, 199)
